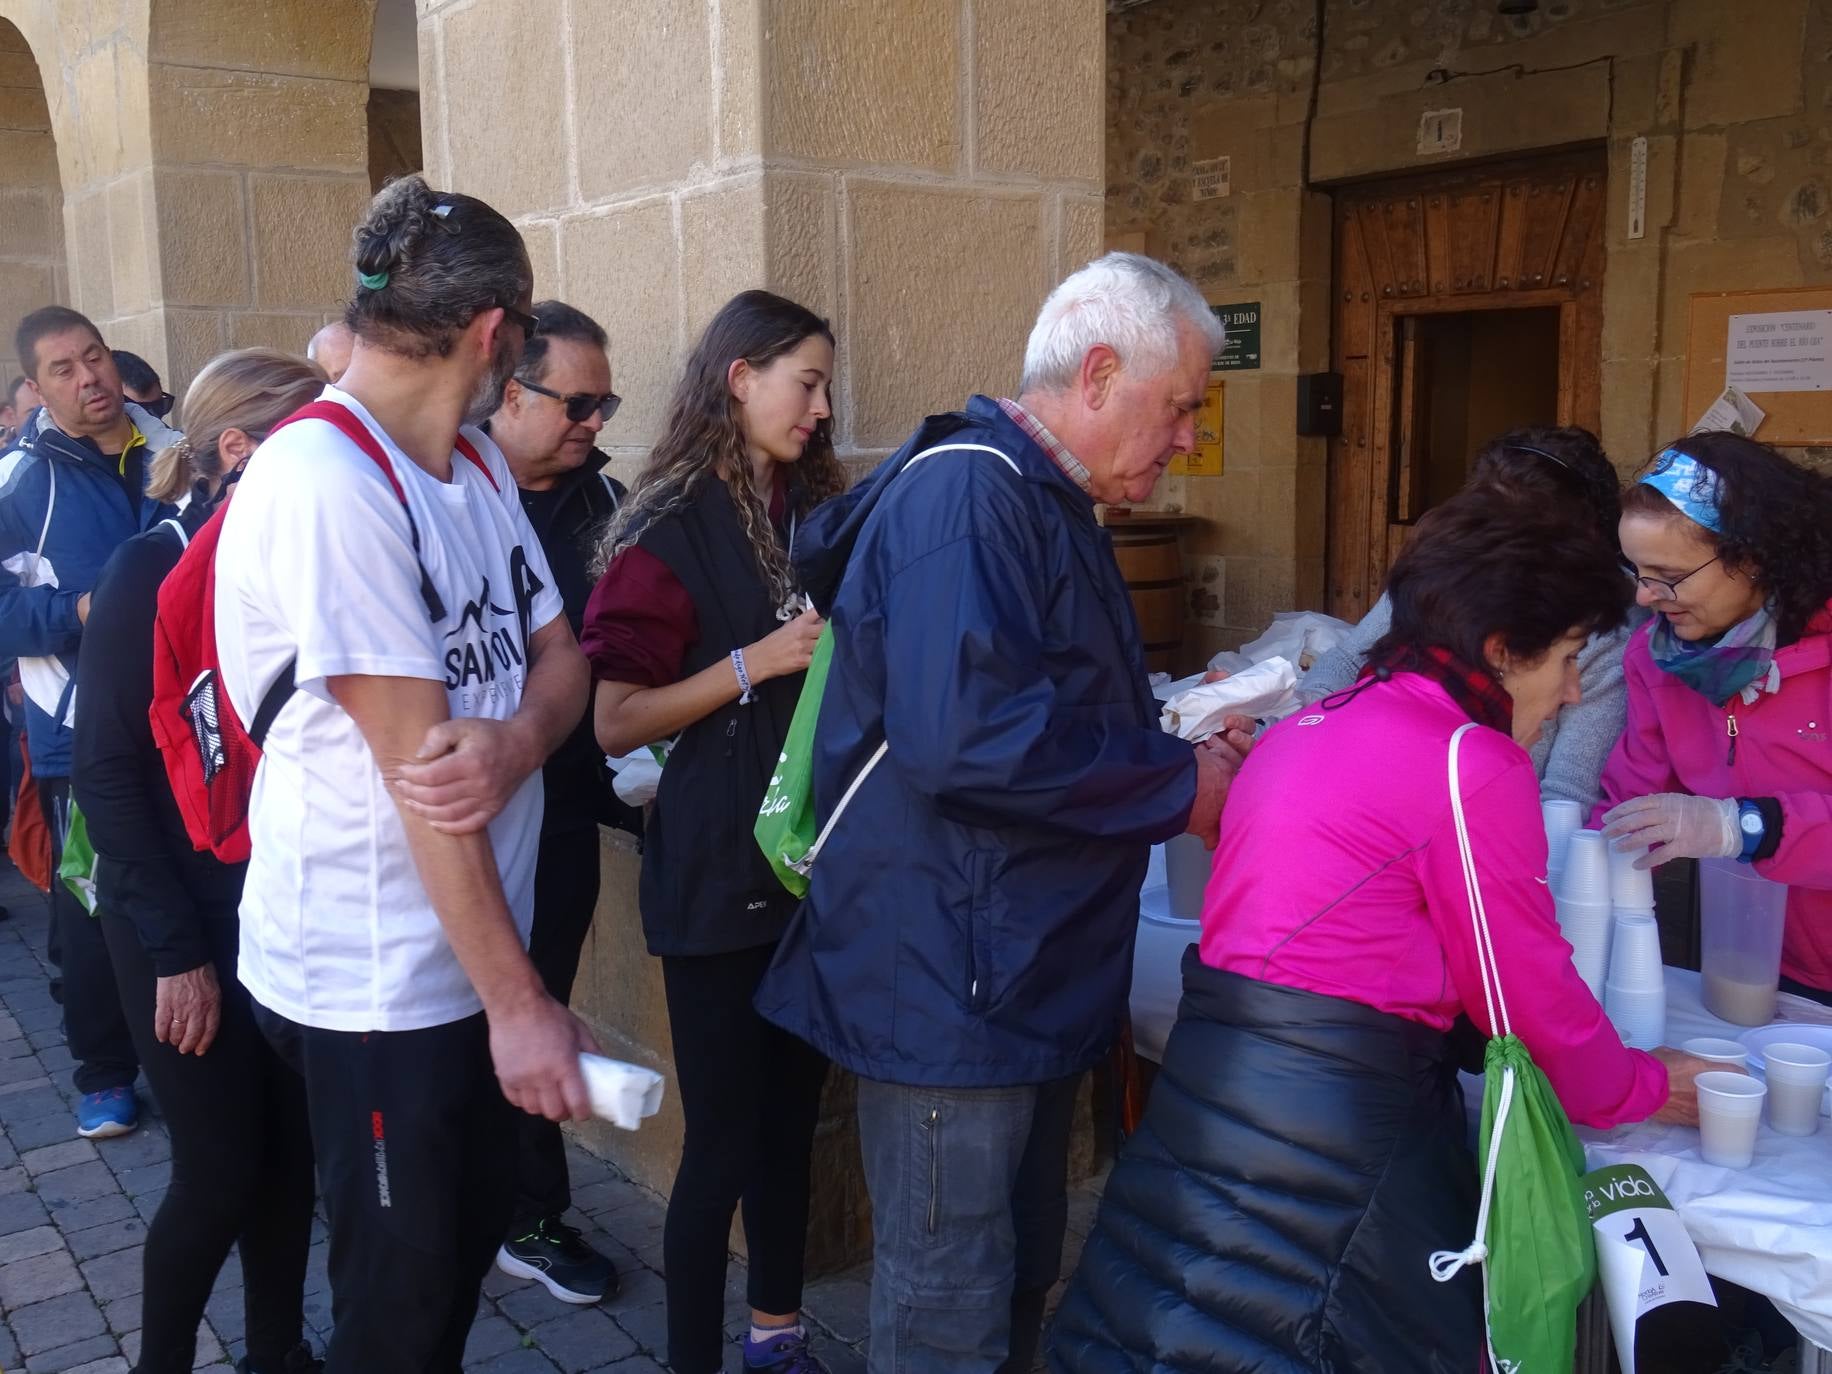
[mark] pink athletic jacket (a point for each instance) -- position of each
(1677, 741)
(1338, 873)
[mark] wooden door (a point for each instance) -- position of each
(1509, 236)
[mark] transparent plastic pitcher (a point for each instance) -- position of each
(1742, 916)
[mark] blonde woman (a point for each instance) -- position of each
(241, 1146)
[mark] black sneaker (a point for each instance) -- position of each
(553, 1253)
(299, 1360)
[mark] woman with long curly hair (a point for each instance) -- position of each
(1728, 751)
(698, 633)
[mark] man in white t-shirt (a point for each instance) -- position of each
(396, 813)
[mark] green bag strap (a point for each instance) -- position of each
(805, 864)
(1447, 1264)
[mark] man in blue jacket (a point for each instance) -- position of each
(72, 488)
(966, 945)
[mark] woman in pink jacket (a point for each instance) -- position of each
(1304, 1151)
(1728, 751)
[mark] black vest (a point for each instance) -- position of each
(706, 887)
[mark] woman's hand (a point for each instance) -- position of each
(784, 651)
(1677, 826)
(188, 1010)
(1681, 1106)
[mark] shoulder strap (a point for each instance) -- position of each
(44, 531)
(469, 450)
(275, 697)
(184, 540)
(961, 448)
(610, 490)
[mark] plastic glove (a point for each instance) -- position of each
(1678, 826)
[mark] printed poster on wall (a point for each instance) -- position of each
(1780, 350)
(1209, 458)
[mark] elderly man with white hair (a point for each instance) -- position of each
(966, 944)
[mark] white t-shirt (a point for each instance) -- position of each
(316, 562)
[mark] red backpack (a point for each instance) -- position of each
(210, 757)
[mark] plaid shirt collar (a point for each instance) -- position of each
(1475, 691)
(1072, 467)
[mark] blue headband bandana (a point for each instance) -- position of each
(1688, 484)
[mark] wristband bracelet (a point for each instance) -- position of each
(745, 695)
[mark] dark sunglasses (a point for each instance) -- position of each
(530, 325)
(161, 407)
(581, 404)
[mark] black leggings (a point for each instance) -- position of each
(751, 1095)
(241, 1167)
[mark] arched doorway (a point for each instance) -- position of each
(395, 146)
(32, 264)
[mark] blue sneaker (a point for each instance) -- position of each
(786, 1353)
(113, 1111)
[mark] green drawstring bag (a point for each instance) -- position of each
(77, 870)
(1533, 1236)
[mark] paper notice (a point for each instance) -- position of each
(1645, 1259)
(1732, 411)
(1780, 350)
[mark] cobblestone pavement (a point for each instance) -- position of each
(73, 1219)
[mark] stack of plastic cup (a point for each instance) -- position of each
(1562, 817)
(1796, 1077)
(1582, 898)
(1630, 888)
(1729, 1110)
(1635, 997)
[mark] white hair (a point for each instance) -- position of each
(1133, 304)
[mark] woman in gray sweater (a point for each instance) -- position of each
(1564, 470)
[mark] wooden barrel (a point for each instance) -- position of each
(1152, 565)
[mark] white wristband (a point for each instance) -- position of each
(745, 694)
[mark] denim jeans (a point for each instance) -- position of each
(969, 1206)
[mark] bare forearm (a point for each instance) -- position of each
(626, 717)
(554, 696)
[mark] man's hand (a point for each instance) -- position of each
(188, 1010)
(1218, 759)
(465, 772)
(536, 1049)
(82, 609)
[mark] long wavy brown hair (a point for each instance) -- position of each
(704, 437)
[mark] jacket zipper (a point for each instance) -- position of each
(1730, 731)
(933, 1126)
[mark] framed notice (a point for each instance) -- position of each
(1241, 348)
(1773, 348)
(1209, 458)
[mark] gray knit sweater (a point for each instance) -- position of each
(1575, 743)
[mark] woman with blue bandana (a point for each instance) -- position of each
(1728, 750)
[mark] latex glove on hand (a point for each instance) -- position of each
(1676, 826)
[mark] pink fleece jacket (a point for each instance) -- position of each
(1677, 741)
(1338, 873)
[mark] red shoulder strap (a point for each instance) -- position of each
(469, 450)
(354, 430)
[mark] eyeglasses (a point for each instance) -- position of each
(1542, 453)
(580, 405)
(1666, 591)
(530, 325)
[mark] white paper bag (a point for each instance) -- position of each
(622, 1094)
(1266, 691)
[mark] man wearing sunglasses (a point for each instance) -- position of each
(140, 384)
(547, 426)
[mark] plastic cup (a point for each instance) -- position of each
(1562, 818)
(1729, 1110)
(1586, 928)
(1741, 917)
(1719, 1051)
(1634, 954)
(1796, 1083)
(1586, 874)
(1638, 1014)
(1630, 888)
(1187, 865)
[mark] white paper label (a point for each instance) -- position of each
(1645, 1259)
(1440, 131)
(1782, 350)
(1211, 178)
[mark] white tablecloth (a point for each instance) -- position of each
(1767, 1227)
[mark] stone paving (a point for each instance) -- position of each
(73, 1220)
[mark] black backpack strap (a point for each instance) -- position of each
(277, 696)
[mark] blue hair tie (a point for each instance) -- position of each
(372, 281)
(1688, 484)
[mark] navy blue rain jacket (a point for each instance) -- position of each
(63, 513)
(971, 922)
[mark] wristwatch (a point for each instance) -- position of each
(1753, 827)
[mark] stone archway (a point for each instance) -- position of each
(32, 263)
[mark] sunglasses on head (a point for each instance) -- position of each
(580, 405)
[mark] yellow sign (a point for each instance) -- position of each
(1209, 459)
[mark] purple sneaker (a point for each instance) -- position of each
(787, 1353)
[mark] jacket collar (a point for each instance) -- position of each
(1033, 462)
(43, 437)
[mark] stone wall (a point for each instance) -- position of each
(1735, 101)
(32, 271)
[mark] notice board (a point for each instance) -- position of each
(1794, 417)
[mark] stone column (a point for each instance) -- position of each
(32, 271)
(920, 171)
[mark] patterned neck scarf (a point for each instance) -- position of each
(1739, 662)
(1474, 690)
